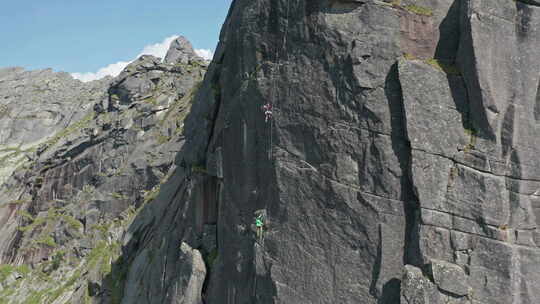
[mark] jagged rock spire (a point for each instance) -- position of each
(180, 51)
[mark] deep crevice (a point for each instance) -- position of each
(216, 88)
(376, 271)
(343, 6)
(537, 105)
(402, 149)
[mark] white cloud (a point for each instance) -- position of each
(204, 53)
(111, 70)
(158, 49)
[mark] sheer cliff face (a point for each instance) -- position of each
(400, 164)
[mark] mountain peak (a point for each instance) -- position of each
(180, 51)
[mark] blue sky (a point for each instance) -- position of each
(80, 36)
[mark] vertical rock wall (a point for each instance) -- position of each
(399, 166)
(475, 170)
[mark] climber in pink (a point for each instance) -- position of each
(267, 111)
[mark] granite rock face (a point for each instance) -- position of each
(87, 171)
(181, 51)
(35, 105)
(399, 165)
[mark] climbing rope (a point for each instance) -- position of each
(259, 226)
(274, 93)
(268, 108)
(261, 220)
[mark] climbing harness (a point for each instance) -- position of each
(259, 222)
(267, 112)
(259, 227)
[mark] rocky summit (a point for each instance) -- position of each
(79, 161)
(334, 151)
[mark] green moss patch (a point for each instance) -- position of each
(40, 228)
(199, 169)
(161, 139)
(102, 255)
(408, 56)
(47, 241)
(26, 215)
(450, 69)
(6, 270)
(472, 139)
(151, 195)
(419, 10)
(179, 110)
(119, 196)
(72, 222)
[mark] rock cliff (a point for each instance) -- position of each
(81, 159)
(399, 165)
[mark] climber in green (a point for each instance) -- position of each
(260, 226)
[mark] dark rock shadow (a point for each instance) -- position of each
(402, 150)
(507, 130)
(449, 33)
(454, 51)
(537, 105)
(112, 285)
(456, 36)
(446, 53)
(515, 187)
(391, 292)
